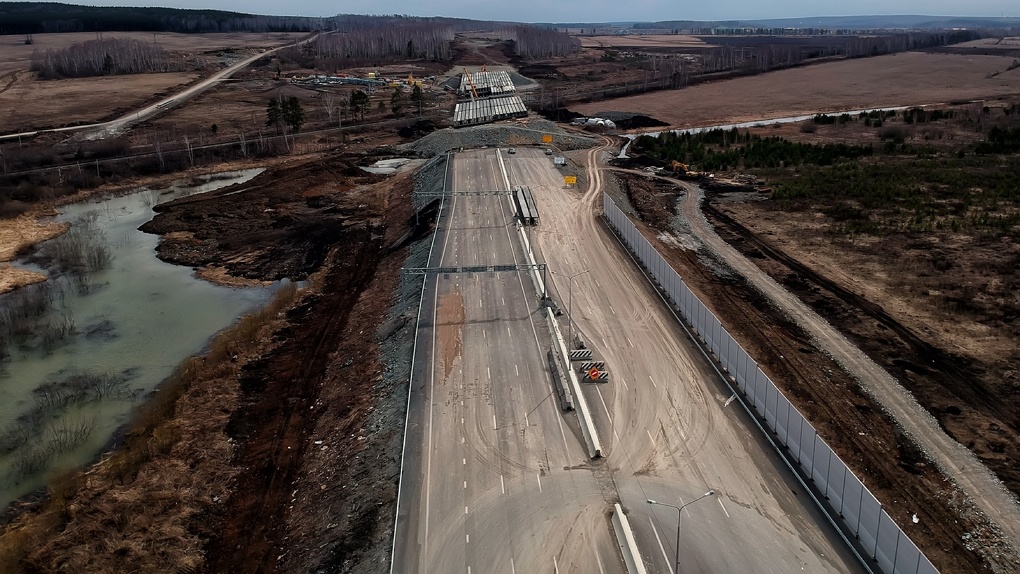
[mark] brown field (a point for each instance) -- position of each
(33, 104)
(1010, 43)
(643, 41)
(911, 78)
(16, 55)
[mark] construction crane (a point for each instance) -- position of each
(471, 83)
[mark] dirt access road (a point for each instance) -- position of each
(969, 475)
(664, 415)
(105, 129)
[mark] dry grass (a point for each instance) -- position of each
(137, 510)
(34, 104)
(1010, 43)
(639, 41)
(16, 55)
(911, 78)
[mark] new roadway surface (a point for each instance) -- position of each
(496, 477)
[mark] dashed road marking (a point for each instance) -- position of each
(539, 477)
(646, 431)
(653, 381)
(502, 484)
(723, 507)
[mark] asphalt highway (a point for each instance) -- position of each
(496, 478)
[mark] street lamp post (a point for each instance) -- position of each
(679, 517)
(570, 303)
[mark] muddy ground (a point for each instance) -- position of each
(307, 444)
(852, 423)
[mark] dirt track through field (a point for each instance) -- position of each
(955, 461)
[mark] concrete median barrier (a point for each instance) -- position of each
(628, 546)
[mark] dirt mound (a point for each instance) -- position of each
(280, 224)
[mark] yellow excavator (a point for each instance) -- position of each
(679, 168)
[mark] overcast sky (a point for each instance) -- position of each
(597, 10)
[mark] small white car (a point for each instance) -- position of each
(512, 150)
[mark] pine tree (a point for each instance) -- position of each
(274, 114)
(293, 113)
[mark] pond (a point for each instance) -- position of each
(79, 352)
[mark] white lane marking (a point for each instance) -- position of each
(464, 461)
(598, 559)
(502, 486)
(559, 421)
(517, 371)
(609, 416)
(653, 381)
(669, 561)
(503, 300)
(646, 431)
(483, 333)
(723, 507)
(539, 477)
(631, 343)
(613, 310)
(508, 333)
(462, 440)
(465, 510)
(597, 283)
(469, 570)
(494, 425)
(479, 303)
(465, 485)
(461, 420)
(732, 398)
(526, 421)
(556, 567)
(462, 403)
(604, 343)
(467, 540)
(513, 569)
(488, 372)
(624, 382)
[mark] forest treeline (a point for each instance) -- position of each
(376, 42)
(535, 42)
(104, 57)
(49, 17)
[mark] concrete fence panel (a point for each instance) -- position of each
(877, 532)
(783, 419)
(853, 496)
(871, 511)
(808, 438)
(820, 466)
(834, 487)
(771, 399)
(794, 427)
(908, 557)
(888, 535)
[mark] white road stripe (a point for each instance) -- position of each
(513, 569)
(483, 333)
(509, 334)
(465, 510)
(539, 477)
(467, 540)
(653, 381)
(723, 507)
(494, 425)
(646, 431)
(631, 343)
(517, 371)
(613, 310)
(623, 381)
(502, 487)
(488, 372)
(465, 485)
(464, 461)
(669, 561)
(609, 416)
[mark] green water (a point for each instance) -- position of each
(138, 320)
